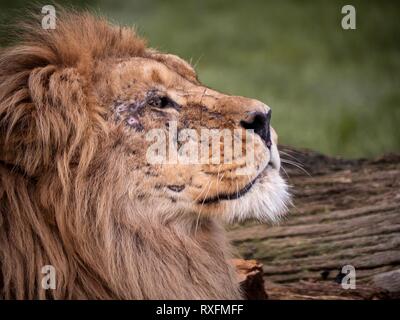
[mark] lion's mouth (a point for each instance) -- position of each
(235, 195)
(229, 196)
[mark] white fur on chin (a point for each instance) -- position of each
(266, 201)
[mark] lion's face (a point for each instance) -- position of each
(168, 119)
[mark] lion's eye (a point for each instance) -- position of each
(162, 102)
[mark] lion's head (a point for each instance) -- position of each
(86, 113)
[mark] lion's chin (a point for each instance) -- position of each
(267, 201)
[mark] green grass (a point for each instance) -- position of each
(331, 90)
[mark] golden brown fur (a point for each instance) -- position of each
(75, 192)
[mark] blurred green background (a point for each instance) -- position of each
(332, 90)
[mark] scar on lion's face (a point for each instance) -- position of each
(130, 111)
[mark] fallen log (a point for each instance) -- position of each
(346, 212)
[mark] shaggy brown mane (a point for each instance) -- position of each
(61, 192)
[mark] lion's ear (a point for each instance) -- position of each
(174, 62)
(42, 118)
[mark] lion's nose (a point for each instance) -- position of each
(259, 122)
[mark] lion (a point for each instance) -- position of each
(77, 190)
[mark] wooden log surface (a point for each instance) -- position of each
(346, 212)
(250, 278)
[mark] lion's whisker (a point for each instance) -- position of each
(295, 165)
(201, 207)
(284, 170)
(287, 154)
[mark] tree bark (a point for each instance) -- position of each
(346, 212)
